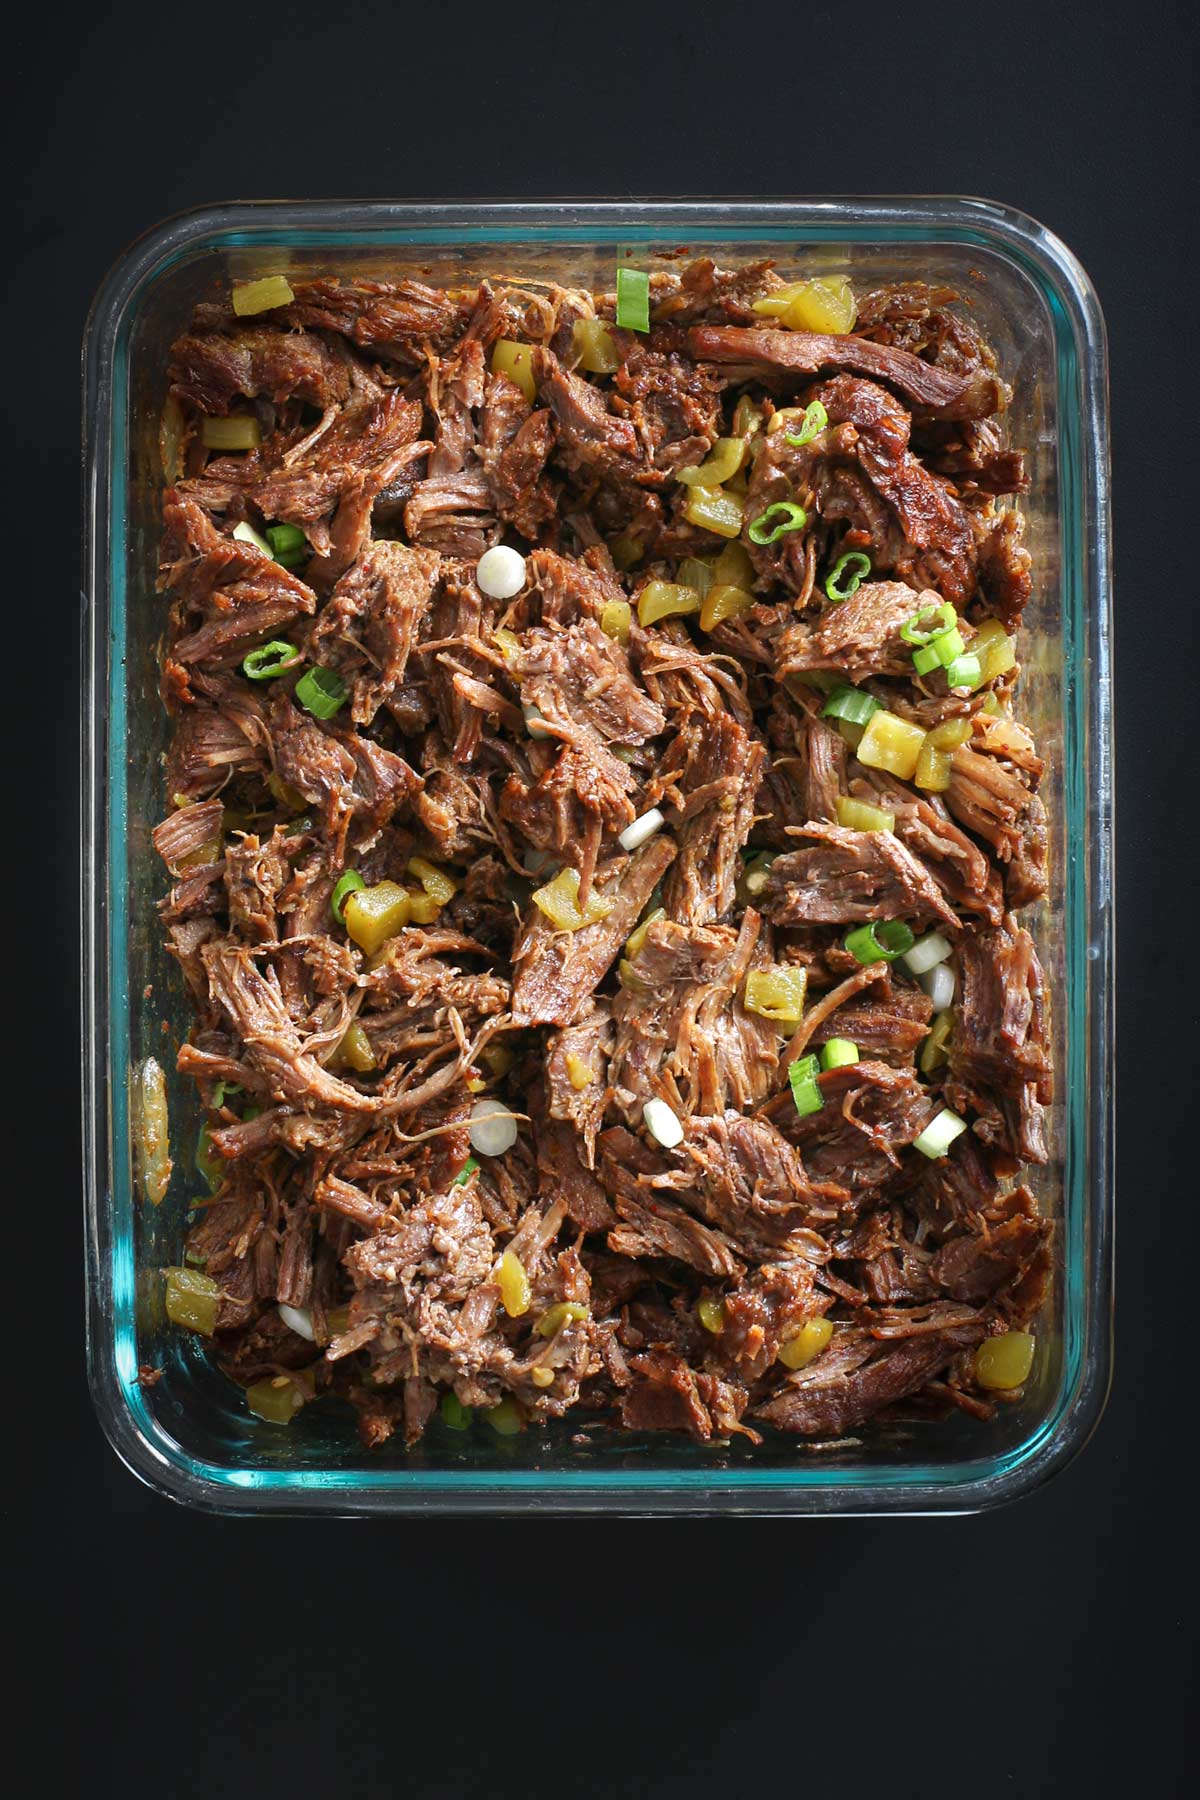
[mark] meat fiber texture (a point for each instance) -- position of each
(477, 751)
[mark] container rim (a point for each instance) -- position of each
(1080, 345)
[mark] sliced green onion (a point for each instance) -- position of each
(815, 420)
(926, 953)
(289, 545)
(926, 659)
(838, 1053)
(246, 534)
(850, 703)
(694, 573)
(803, 1076)
(633, 299)
(240, 431)
(223, 1091)
(880, 941)
(346, 884)
(855, 566)
(270, 660)
(321, 692)
(791, 518)
(943, 616)
(964, 671)
(465, 1173)
(939, 1134)
(457, 1416)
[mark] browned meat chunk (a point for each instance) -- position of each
(226, 596)
(557, 972)
(888, 1021)
(652, 1225)
(990, 799)
(852, 875)
(589, 435)
(391, 318)
(857, 1376)
(770, 1306)
(563, 1176)
(927, 538)
(719, 767)
(924, 827)
(858, 637)
(663, 1220)
(999, 1059)
(577, 1060)
(870, 1113)
(212, 370)
(745, 1178)
(347, 775)
(974, 1267)
(682, 1033)
(787, 354)
(372, 622)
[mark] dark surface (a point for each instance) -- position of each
(1041, 1650)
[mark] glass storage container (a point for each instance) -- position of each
(189, 1433)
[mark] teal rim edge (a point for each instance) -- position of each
(964, 1486)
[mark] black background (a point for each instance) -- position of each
(1042, 1649)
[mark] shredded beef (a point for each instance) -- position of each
(339, 468)
(989, 797)
(858, 1376)
(211, 370)
(372, 621)
(716, 772)
(438, 760)
(682, 1033)
(870, 1113)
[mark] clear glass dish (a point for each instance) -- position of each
(189, 1434)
